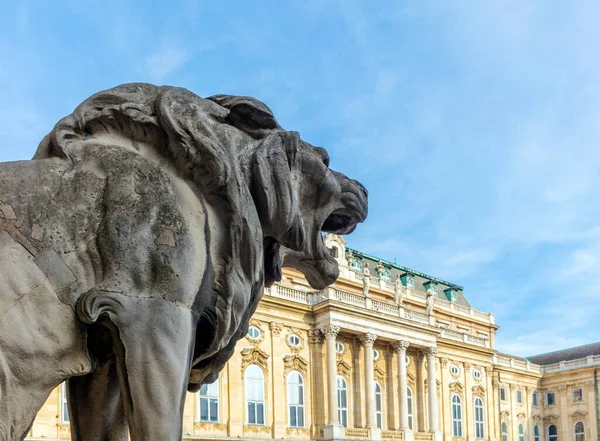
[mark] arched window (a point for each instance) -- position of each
(64, 409)
(479, 432)
(209, 402)
(521, 432)
(296, 399)
(536, 433)
(255, 395)
(456, 417)
(409, 399)
(504, 429)
(552, 433)
(378, 406)
(342, 399)
(579, 431)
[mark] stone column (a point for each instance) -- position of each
(401, 347)
(432, 409)
(333, 430)
(367, 341)
(419, 412)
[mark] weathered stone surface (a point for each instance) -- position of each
(134, 248)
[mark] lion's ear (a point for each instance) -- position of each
(245, 110)
(274, 189)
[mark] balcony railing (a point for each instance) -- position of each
(357, 433)
(514, 363)
(592, 360)
(360, 301)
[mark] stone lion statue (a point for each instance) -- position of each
(134, 247)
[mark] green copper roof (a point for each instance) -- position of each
(403, 268)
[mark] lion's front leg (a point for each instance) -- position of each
(96, 406)
(153, 341)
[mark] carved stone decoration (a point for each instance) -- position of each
(444, 362)
(505, 415)
(343, 368)
(366, 280)
(489, 370)
(521, 417)
(256, 341)
(297, 333)
(367, 339)
(159, 214)
(537, 419)
(467, 366)
(330, 331)
(315, 336)
(398, 291)
(551, 419)
(578, 415)
(478, 391)
(255, 356)
(295, 363)
(456, 388)
(379, 375)
(495, 383)
(275, 328)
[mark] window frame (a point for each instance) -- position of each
(297, 408)
(521, 432)
(64, 406)
(410, 282)
(378, 406)
(536, 399)
(536, 432)
(520, 396)
(503, 393)
(254, 328)
(580, 389)
(479, 411)
(342, 411)
(581, 434)
(297, 337)
(548, 394)
(339, 347)
(255, 401)
(409, 401)
(209, 400)
(456, 406)
(504, 431)
(552, 437)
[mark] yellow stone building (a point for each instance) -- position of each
(356, 361)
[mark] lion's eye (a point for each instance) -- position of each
(324, 155)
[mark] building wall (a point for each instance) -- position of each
(467, 366)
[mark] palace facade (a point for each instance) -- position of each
(386, 353)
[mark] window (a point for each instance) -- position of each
(356, 264)
(579, 431)
(577, 395)
(552, 433)
(296, 399)
(378, 406)
(209, 402)
(375, 354)
(536, 433)
(253, 332)
(255, 395)
(536, 399)
(339, 347)
(520, 396)
(504, 429)
(502, 393)
(410, 407)
(479, 433)
(477, 374)
(64, 409)
(386, 274)
(550, 398)
(342, 398)
(456, 417)
(294, 340)
(454, 370)
(521, 432)
(410, 282)
(335, 252)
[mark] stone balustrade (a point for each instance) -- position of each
(360, 301)
(593, 360)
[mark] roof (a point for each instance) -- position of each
(403, 268)
(566, 354)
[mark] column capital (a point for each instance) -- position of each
(367, 339)
(431, 351)
(401, 345)
(314, 336)
(330, 331)
(275, 328)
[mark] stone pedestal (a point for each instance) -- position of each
(332, 432)
(375, 434)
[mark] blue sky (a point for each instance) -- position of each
(474, 125)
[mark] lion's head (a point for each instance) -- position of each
(276, 192)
